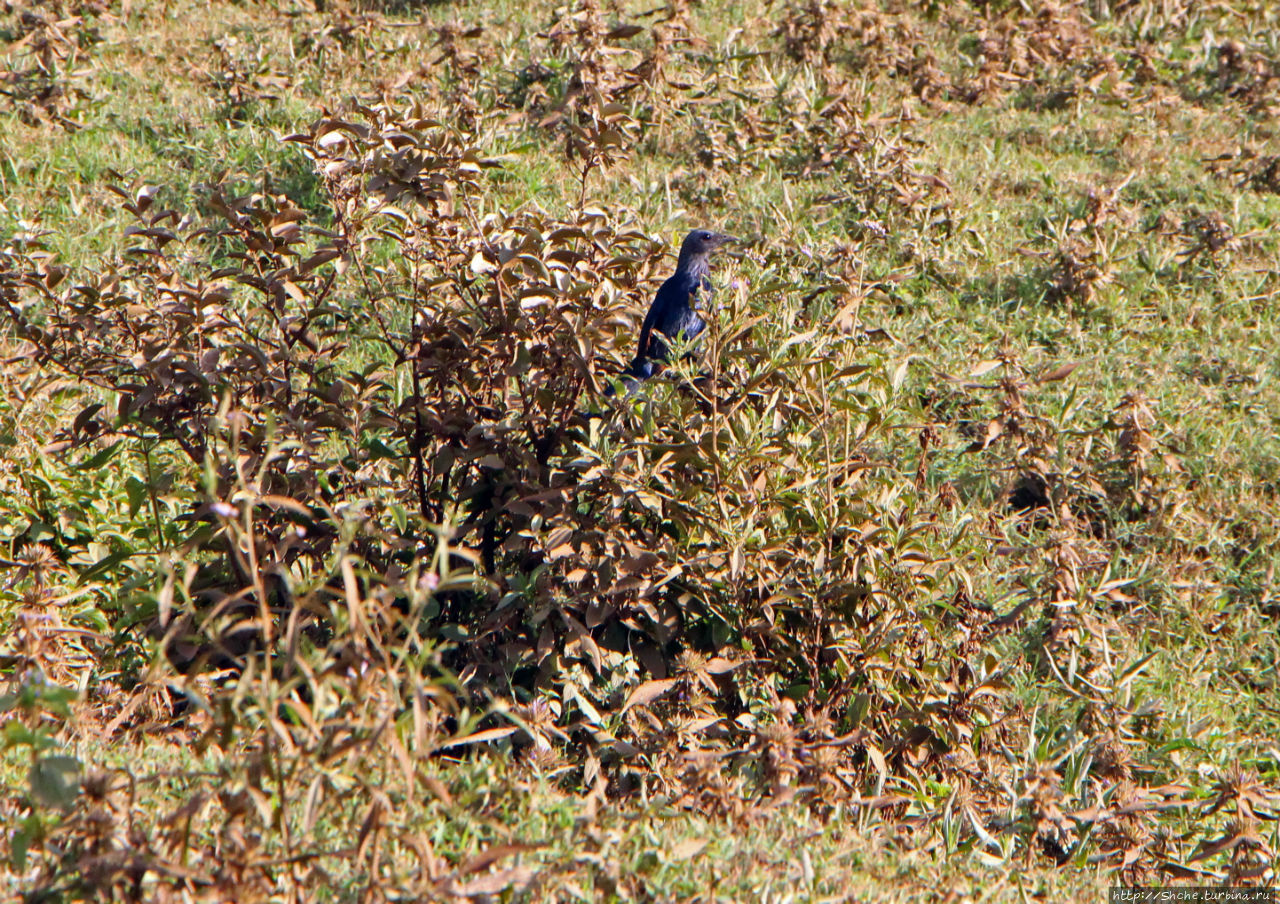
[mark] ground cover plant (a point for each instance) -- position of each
(946, 566)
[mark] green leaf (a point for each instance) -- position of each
(57, 700)
(20, 842)
(136, 490)
(39, 532)
(105, 564)
(55, 780)
(399, 516)
(18, 735)
(796, 691)
(379, 449)
(100, 459)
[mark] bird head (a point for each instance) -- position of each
(701, 242)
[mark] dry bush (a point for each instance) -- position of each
(1251, 167)
(50, 45)
(1248, 76)
(245, 76)
(364, 526)
(1072, 273)
(1015, 51)
(829, 36)
(1069, 485)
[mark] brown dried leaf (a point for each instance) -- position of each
(687, 849)
(648, 692)
(1060, 373)
(517, 879)
(480, 737)
(490, 856)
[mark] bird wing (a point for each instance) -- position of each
(667, 300)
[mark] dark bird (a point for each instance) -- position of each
(672, 316)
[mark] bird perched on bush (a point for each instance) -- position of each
(672, 315)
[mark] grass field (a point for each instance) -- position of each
(947, 572)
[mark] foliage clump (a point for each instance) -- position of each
(335, 502)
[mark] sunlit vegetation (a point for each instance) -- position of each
(945, 565)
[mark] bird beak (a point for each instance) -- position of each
(723, 239)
